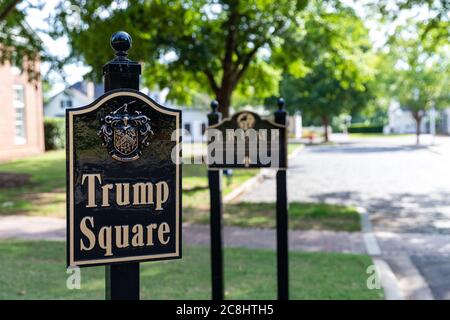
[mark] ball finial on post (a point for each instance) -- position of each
(214, 105)
(121, 42)
(280, 103)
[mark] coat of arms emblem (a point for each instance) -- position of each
(246, 120)
(125, 133)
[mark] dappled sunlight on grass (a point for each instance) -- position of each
(45, 193)
(36, 270)
(304, 216)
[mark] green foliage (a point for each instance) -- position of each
(364, 128)
(432, 22)
(19, 44)
(334, 47)
(422, 78)
(207, 46)
(55, 133)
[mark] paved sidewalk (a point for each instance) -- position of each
(403, 252)
(43, 228)
(403, 187)
(423, 246)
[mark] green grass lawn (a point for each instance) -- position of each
(36, 270)
(45, 195)
(303, 216)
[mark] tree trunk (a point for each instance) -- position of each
(325, 126)
(224, 98)
(418, 119)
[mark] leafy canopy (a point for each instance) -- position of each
(19, 44)
(211, 46)
(422, 78)
(337, 65)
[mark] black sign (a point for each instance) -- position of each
(247, 141)
(124, 181)
(229, 142)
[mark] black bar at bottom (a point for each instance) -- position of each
(282, 237)
(122, 281)
(215, 192)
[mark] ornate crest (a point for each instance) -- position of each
(125, 133)
(246, 120)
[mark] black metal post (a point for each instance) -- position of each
(215, 196)
(282, 215)
(122, 280)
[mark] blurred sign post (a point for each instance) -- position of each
(247, 141)
(123, 187)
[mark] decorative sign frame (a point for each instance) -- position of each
(124, 180)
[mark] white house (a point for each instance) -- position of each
(445, 121)
(194, 120)
(77, 95)
(402, 121)
(83, 93)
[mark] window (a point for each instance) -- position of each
(16, 68)
(187, 127)
(19, 108)
(66, 103)
(203, 128)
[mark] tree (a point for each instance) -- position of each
(422, 85)
(19, 44)
(431, 15)
(334, 73)
(205, 45)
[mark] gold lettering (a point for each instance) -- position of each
(105, 240)
(150, 229)
(123, 196)
(105, 194)
(162, 230)
(91, 188)
(138, 237)
(162, 194)
(88, 233)
(122, 233)
(142, 193)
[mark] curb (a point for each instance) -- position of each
(409, 284)
(411, 281)
(388, 280)
(243, 188)
(233, 195)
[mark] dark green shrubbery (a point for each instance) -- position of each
(365, 128)
(55, 133)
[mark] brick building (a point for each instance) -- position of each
(21, 114)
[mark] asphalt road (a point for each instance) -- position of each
(404, 187)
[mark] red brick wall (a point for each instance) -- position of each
(34, 116)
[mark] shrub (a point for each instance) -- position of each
(55, 133)
(364, 128)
